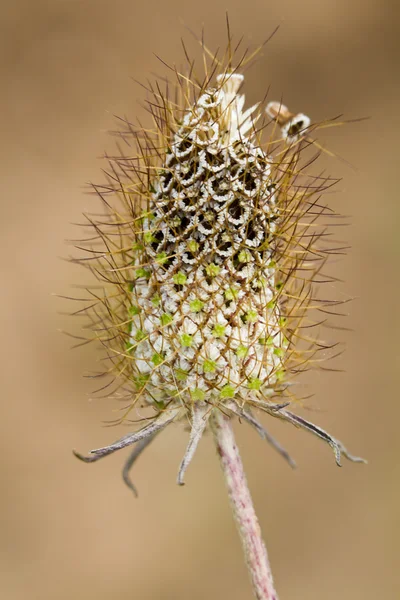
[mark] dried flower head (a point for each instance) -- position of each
(209, 251)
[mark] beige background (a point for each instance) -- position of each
(73, 531)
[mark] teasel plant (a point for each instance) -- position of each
(213, 237)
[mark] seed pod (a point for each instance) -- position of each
(209, 251)
(208, 322)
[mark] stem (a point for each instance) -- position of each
(243, 509)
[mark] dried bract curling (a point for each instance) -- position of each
(209, 251)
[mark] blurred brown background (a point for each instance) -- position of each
(70, 530)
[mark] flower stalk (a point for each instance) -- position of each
(242, 506)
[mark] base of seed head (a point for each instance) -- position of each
(200, 415)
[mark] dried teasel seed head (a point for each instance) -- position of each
(207, 298)
(208, 257)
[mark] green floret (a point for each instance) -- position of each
(181, 374)
(142, 379)
(212, 270)
(244, 256)
(157, 359)
(156, 299)
(186, 340)
(197, 394)
(209, 366)
(143, 273)
(161, 258)
(179, 278)
(242, 351)
(254, 384)
(137, 247)
(166, 319)
(251, 316)
(218, 330)
(148, 237)
(196, 305)
(140, 335)
(228, 391)
(231, 293)
(193, 246)
(279, 352)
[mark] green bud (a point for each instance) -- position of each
(179, 278)
(196, 305)
(166, 319)
(242, 351)
(156, 299)
(212, 270)
(141, 380)
(181, 374)
(143, 273)
(244, 256)
(137, 247)
(157, 359)
(251, 316)
(254, 384)
(197, 394)
(186, 340)
(161, 258)
(148, 237)
(231, 293)
(279, 352)
(228, 391)
(209, 366)
(192, 246)
(218, 330)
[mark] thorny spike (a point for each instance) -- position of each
(149, 430)
(200, 415)
(135, 453)
(336, 445)
(269, 407)
(247, 416)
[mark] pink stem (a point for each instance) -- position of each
(243, 509)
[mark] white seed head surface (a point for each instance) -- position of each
(206, 322)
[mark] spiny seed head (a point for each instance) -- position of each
(208, 254)
(214, 213)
